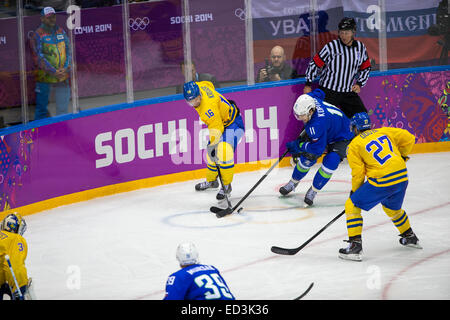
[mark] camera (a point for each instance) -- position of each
(269, 68)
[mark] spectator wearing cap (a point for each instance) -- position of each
(338, 64)
(52, 57)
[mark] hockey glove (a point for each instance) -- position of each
(212, 152)
(295, 148)
(405, 158)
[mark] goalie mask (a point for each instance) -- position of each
(14, 223)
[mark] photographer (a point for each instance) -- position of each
(277, 69)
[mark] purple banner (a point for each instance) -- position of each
(164, 138)
(136, 143)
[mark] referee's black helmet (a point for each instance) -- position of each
(347, 24)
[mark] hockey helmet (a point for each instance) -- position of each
(187, 254)
(347, 24)
(360, 121)
(303, 105)
(14, 223)
(191, 90)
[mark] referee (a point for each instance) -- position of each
(339, 64)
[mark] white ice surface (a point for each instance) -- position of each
(123, 246)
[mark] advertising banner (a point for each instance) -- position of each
(415, 30)
(135, 143)
(164, 138)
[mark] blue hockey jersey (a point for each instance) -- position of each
(328, 125)
(197, 282)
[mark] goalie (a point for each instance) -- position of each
(13, 252)
(226, 129)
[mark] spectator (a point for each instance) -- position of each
(277, 69)
(338, 64)
(198, 77)
(52, 55)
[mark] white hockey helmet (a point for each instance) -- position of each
(187, 254)
(303, 105)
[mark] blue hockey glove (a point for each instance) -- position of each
(295, 148)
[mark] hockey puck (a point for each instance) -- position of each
(240, 209)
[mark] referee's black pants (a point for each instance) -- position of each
(349, 102)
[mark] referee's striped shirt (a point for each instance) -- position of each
(338, 66)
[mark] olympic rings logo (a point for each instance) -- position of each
(138, 23)
(240, 13)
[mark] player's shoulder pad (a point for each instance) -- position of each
(208, 84)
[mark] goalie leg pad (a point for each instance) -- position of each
(29, 293)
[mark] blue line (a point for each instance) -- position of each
(176, 97)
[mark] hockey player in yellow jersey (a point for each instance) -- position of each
(14, 246)
(380, 155)
(226, 129)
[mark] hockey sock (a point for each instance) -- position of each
(225, 155)
(354, 219)
(211, 172)
(399, 219)
(301, 169)
(329, 165)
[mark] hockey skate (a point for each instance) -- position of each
(309, 197)
(288, 187)
(409, 239)
(202, 186)
(353, 251)
(226, 189)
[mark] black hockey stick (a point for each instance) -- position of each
(306, 292)
(224, 212)
(293, 251)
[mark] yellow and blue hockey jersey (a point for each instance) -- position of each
(215, 111)
(15, 246)
(377, 154)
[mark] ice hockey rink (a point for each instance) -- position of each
(123, 246)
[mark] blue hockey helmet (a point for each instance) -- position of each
(361, 121)
(191, 90)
